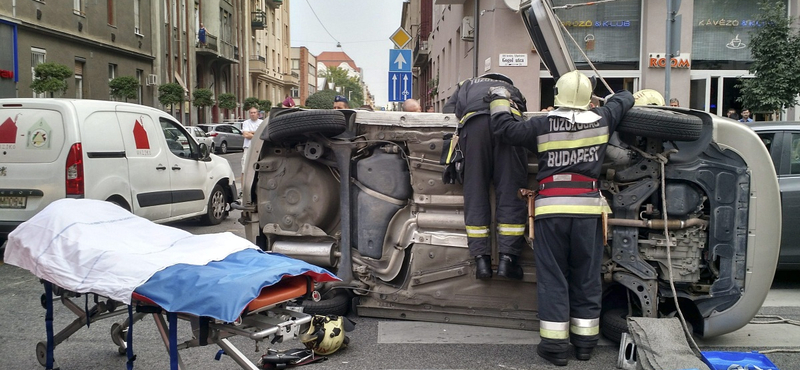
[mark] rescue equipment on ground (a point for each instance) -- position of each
(326, 334)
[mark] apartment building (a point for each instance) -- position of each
(271, 77)
(625, 40)
(305, 65)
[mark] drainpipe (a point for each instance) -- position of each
(476, 38)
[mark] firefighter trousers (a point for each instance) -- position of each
(569, 253)
(488, 162)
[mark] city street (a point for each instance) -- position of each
(375, 343)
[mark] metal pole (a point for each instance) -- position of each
(475, 38)
(670, 19)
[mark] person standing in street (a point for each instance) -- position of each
(411, 105)
(674, 102)
(288, 102)
(249, 128)
(486, 163)
(745, 115)
(570, 142)
(340, 102)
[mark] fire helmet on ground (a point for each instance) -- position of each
(326, 334)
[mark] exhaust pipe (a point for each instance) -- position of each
(322, 254)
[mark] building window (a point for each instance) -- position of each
(139, 77)
(111, 19)
(295, 64)
(137, 23)
(79, 79)
(38, 56)
(295, 92)
(112, 74)
(77, 7)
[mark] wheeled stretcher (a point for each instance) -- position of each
(103, 262)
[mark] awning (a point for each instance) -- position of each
(180, 82)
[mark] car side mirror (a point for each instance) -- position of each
(204, 154)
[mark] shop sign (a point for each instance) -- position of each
(513, 60)
(659, 60)
(596, 24)
(6, 74)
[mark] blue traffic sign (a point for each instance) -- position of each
(399, 60)
(399, 86)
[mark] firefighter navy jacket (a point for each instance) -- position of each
(567, 142)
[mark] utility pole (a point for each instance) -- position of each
(673, 41)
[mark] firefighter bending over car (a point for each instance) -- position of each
(569, 209)
(482, 162)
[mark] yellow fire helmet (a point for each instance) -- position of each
(648, 97)
(325, 335)
(573, 90)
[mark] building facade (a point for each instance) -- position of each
(625, 40)
(271, 77)
(305, 65)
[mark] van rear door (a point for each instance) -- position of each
(148, 165)
(32, 159)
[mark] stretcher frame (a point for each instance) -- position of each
(266, 317)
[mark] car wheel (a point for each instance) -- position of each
(661, 124)
(298, 124)
(211, 150)
(223, 148)
(216, 207)
(335, 302)
(613, 323)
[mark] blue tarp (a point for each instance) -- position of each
(222, 289)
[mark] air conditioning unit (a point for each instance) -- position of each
(468, 28)
(152, 80)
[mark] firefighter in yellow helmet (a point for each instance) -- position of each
(570, 142)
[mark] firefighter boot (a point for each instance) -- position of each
(583, 353)
(483, 267)
(509, 268)
(555, 358)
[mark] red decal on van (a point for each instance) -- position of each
(140, 136)
(8, 132)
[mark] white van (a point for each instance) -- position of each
(135, 156)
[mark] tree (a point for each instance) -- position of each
(202, 98)
(322, 99)
(50, 78)
(170, 94)
(774, 46)
(265, 105)
(125, 87)
(251, 102)
(351, 86)
(227, 101)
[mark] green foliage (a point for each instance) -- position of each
(50, 78)
(433, 88)
(351, 86)
(227, 101)
(125, 87)
(322, 99)
(251, 102)
(264, 105)
(774, 47)
(170, 94)
(202, 97)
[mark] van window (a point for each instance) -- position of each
(178, 141)
(30, 135)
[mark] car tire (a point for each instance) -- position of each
(217, 203)
(661, 124)
(212, 149)
(223, 148)
(290, 126)
(613, 323)
(335, 302)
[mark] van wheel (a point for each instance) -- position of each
(216, 207)
(223, 148)
(289, 126)
(661, 124)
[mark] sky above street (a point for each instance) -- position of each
(363, 28)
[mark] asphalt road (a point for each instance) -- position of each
(375, 343)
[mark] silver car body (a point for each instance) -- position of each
(225, 136)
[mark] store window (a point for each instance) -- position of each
(722, 33)
(608, 32)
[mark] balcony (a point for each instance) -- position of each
(258, 20)
(292, 79)
(209, 48)
(274, 4)
(215, 49)
(258, 64)
(421, 51)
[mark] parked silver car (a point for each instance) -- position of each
(201, 137)
(226, 137)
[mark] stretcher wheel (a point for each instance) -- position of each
(43, 300)
(118, 334)
(41, 353)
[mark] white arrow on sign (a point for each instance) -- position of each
(394, 87)
(400, 60)
(405, 92)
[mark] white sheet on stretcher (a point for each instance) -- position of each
(94, 246)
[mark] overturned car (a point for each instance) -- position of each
(362, 193)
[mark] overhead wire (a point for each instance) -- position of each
(321, 24)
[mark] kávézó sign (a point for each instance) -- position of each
(659, 60)
(513, 60)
